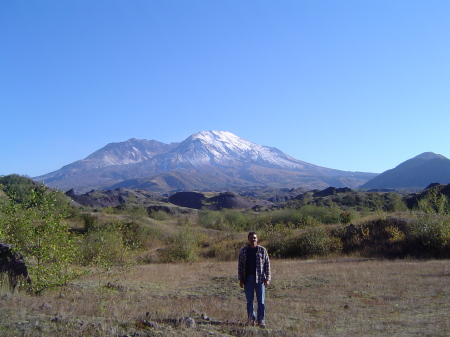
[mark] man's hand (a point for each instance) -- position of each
(266, 283)
(241, 283)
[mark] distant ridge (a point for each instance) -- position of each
(208, 160)
(418, 172)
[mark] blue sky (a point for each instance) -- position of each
(350, 85)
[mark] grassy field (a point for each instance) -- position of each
(342, 297)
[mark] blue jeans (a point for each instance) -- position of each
(250, 288)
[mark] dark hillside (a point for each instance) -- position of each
(115, 198)
(219, 201)
(417, 172)
(413, 199)
(188, 199)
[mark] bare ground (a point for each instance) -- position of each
(343, 297)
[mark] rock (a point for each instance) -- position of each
(13, 264)
(149, 324)
(117, 287)
(189, 322)
(56, 319)
(45, 306)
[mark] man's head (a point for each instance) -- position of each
(252, 239)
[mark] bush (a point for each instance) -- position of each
(317, 242)
(182, 247)
(104, 246)
(225, 220)
(20, 189)
(135, 235)
(225, 248)
(235, 220)
(158, 215)
(383, 237)
(37, 229)
(320, 214)
(289, 217)
(278, 239)
(281, 242)
(90, 222)
(430, 234)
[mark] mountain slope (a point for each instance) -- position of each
(417, 172)
(206, 160)
(129, 152)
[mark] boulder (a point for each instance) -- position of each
(13, 264)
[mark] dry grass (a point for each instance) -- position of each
(344, 297)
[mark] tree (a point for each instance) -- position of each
(37, 229)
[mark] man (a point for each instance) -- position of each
(254, 277)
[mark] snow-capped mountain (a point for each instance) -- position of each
(224, 149)
(206, 160)
(130, 152)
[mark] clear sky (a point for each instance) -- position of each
(345, 84)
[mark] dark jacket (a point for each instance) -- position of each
(262, 264)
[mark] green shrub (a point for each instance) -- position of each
(90, 222)
(234, 220)
(20, 189)
(210, 219)
(345, 217)
(430, 233)
(395, 234)
(321, 214)
(182, 220)
(394, 202)
(281, 242)
(158, 215)
(288, 217)
(278, 239)
(317, 242)
(137, 213)
(135, 235)
(224, 248)
(183, 247)
(104, 246)
(37, 229)
(225, 220)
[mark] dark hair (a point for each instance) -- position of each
(251, 233)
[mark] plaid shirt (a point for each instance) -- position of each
(262, 264)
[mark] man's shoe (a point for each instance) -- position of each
(262, 324)
(251, 321)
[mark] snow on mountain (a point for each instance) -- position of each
(208, 159)
(131, 151)
(222, 148)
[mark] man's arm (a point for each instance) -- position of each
(267, 274)
(241, 267)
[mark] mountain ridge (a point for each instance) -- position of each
(205, 160)
(417, 172)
